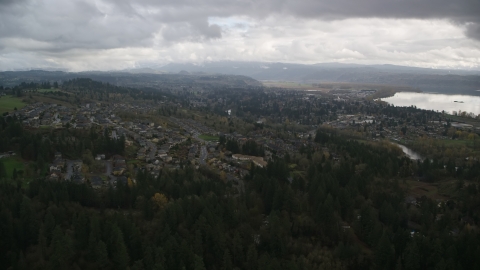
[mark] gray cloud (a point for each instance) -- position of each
(473, 30)
(207, 30)
(7, 2)
(49, 28)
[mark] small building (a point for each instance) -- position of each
(96, 182)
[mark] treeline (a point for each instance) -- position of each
(89, 89)
(19, 90)
(250, 147)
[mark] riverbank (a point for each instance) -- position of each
(386, 93)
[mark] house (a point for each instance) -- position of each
(77, 178)
(120, 164)
(122, 180)
(256, 160)
(116, 158)
(96, 182)
(59, 163)
(118, 170)
(77, 165)
(54, 176)
(55, 169)
(167, 158)
(410, 200)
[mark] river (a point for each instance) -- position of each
(409, 152)
(436, 102)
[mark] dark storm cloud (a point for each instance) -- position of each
(7, 2)
(458, 9)
(465, 12)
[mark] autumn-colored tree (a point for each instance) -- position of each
(130, 182)
(159, 200)
(223, 175)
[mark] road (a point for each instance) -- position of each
(69, 172)
(203, 155)
(152, 149)
(108, 172)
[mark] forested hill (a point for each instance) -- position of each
(346, 211)
(12, 78)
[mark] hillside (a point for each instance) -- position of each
(11, 78)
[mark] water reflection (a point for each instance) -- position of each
(436, 102)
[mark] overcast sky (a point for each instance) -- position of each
(118, 34)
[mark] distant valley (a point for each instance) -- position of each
(426, 80)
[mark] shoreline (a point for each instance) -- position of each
(390, 93)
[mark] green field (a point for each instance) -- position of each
(12, 163)
(9, 103)
(47, 90)
(135, 162)
(466, 120)
(209, 138)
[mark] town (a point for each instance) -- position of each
(170, 133)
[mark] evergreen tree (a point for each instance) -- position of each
(62, 250)
(252, 258)
(3, 170)
(101, 255)
(117, 249)
(384, 253)
(412, 256)
(198, 263)
(227, 261)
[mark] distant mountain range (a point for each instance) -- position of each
(278, 71)
(234, 73)
(425, 79)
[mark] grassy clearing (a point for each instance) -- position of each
(9, 103)
(52, 100)
(135, 162)
(470, 144)
(209, 138)
(456, 143)
(435, 191)
(131, 151)
(47, 90)
(12, 163)
(51, 91)
(294, 85)
(466, 120)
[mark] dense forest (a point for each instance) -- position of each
(346, 211)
